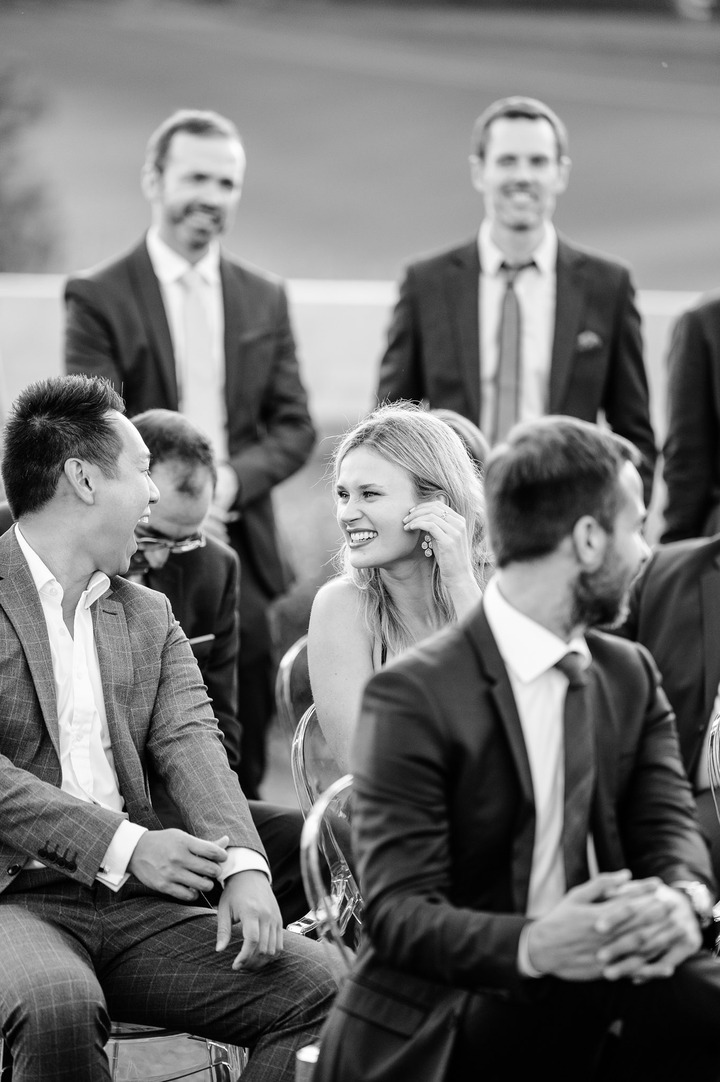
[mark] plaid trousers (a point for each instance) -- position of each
(73, 957)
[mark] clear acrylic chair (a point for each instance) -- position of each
(312, 763)
(713, 766)
(161, 1055)
(336, 901)
(292, 686)
(325, 848)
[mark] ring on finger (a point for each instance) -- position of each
(444, 514)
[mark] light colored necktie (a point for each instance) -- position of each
(201, 391)
(579, 770)
(507, 384)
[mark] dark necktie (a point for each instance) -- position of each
(579, 770)
(507, 384)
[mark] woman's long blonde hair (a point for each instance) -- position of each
(437, 461)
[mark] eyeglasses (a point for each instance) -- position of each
(175, 545)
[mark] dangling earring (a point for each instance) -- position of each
(427, 545)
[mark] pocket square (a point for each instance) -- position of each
(587, 340)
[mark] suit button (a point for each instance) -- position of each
(71, 865)
(14, 869)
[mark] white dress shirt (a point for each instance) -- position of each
(86, 755)
(535, 288)
(530, 653)
(169, 269)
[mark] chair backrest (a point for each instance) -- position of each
(713, 762)
(312, 762)
(325, 846)
(292, 686)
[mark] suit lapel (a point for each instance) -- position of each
(148, 298)
(569, 301)
(23, 608)
(235, 323)
(710, 615)
(493, 667)
(112, 640)
(462, 277)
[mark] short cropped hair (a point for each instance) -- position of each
(517, 108)
(49, 422)
(548, 474)
(172, 438)
(192, 122)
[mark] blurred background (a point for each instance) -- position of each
(356, 118)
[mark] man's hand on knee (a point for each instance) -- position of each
(248, 899)
(176, 863)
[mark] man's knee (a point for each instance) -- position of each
(58, 1000)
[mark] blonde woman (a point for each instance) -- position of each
(414, 556)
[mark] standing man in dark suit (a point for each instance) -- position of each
(691, 452)
(177, 324)
(675, 612)
(101, 909)
(572, 334)
(527, 842)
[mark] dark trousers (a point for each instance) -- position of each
(661, 1031)
(256, 671)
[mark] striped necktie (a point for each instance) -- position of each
(507, 380)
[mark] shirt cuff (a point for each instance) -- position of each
(113, 869)
(525, 966)
(240, 859)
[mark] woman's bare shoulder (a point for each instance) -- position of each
(337, 598)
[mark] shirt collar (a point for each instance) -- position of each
(43, 577)
(170, 267)
(491, 258)
(527, 648)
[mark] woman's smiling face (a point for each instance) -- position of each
(373, 497)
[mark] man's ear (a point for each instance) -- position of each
(590, 542)
(477, 173)
(150, 182)
(79, 477)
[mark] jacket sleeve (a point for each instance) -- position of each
(627, 398)
(401, 365)
(285, 434)
(184, 743)
(90, 343)
(402, 828)
(691, 445)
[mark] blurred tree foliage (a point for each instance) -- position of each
(28, 220)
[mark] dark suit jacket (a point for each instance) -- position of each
(675, 612)
(157, 712)
(691, 452)
(116, 327)
(444, 821)
(433, 349)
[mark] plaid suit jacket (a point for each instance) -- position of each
(157, 710)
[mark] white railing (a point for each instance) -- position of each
(340, 327)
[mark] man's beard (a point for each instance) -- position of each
(600, 598)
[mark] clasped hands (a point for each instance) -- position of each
(176, 863)
(613, 927)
